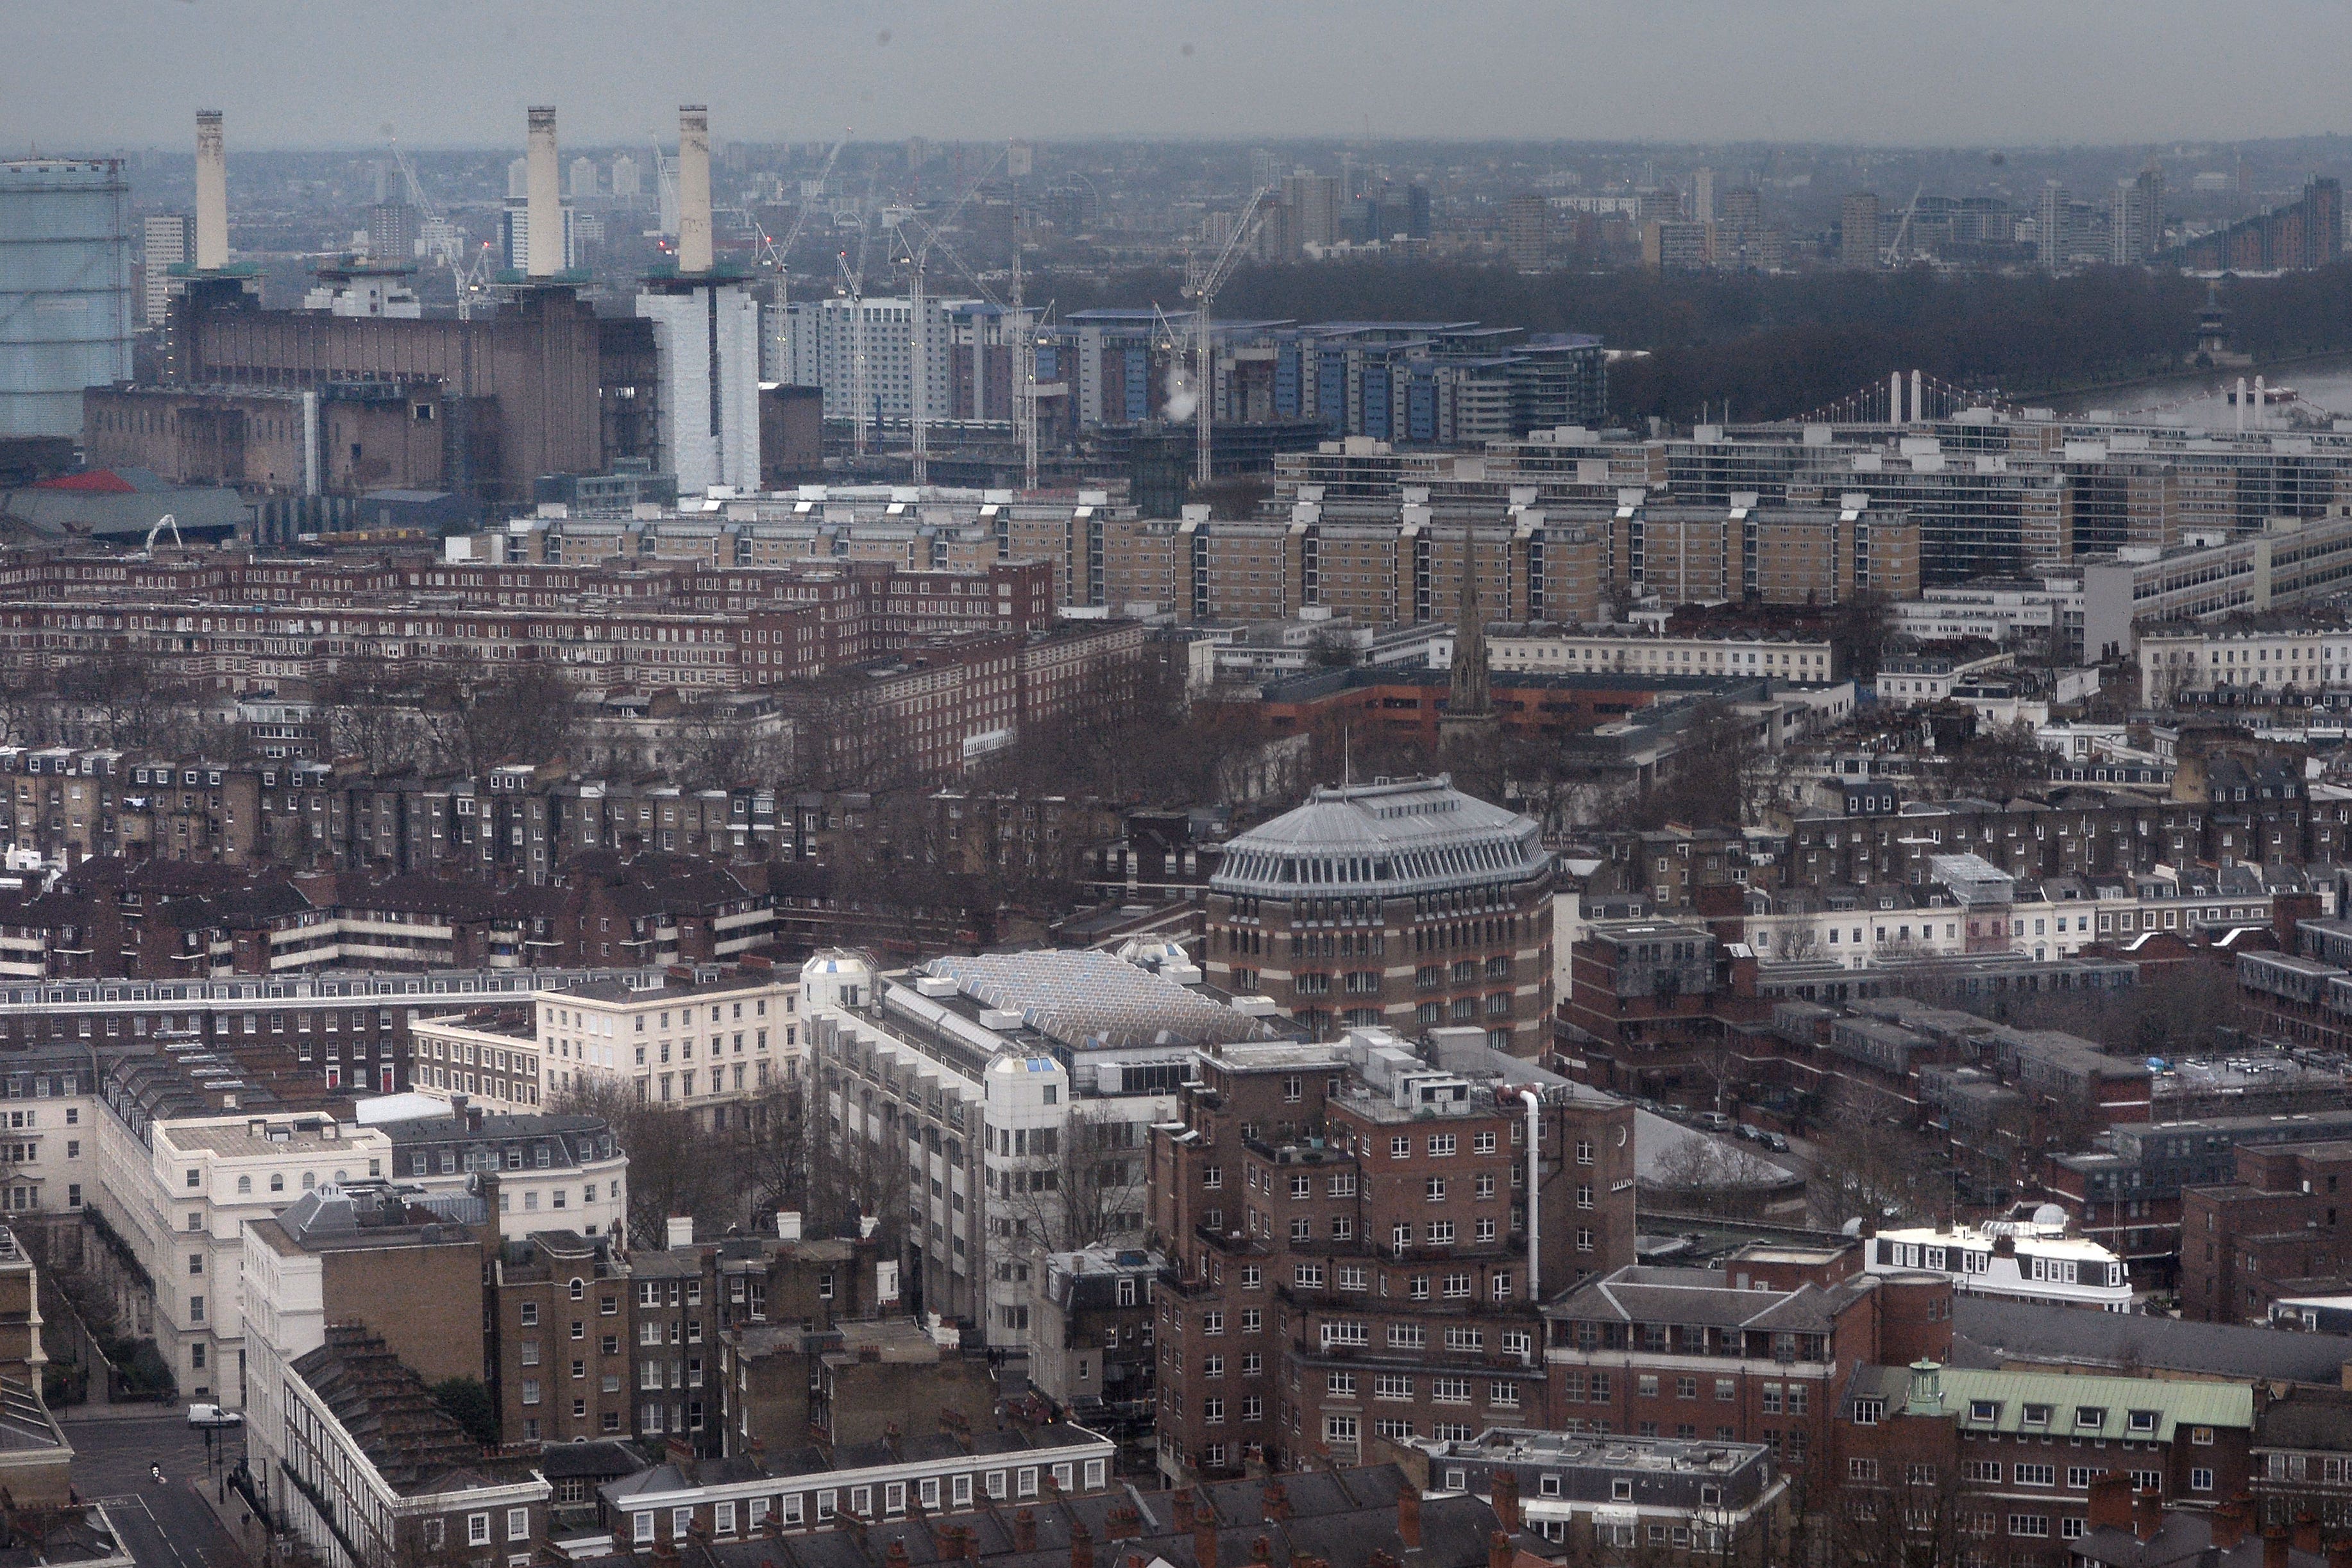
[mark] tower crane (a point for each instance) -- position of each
(469, 276)
(1902, 230)
(1024, 348)
(918, 258)
(783, 249)
(1200, 287)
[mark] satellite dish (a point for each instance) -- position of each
(1852, 1227)
(2050, 1213)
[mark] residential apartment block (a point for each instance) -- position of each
(1358, 1238)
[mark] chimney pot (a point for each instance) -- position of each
(2230, 1523)
(1504, 1490)
(2111, 1500)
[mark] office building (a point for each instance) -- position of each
(583, 185)
(625, 177)
(1031, 1082)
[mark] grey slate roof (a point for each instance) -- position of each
(1987, 1332)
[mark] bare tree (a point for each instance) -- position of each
(678, 1165)
(2000, 764)
(776, 1153)
(523, 712)
(1913, 1514)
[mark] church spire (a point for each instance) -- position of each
(1468, 697)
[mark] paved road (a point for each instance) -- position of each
(167, 1526)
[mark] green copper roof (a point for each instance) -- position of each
(2097, 1407)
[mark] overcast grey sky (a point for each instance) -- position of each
(101, 74)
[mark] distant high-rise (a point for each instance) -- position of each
(1739, 229)
(394, 229)
(514, 236)
(2052, 223)
(583, 179)
(170, 241)
(624, 176)
(1526, 232)
(1313, 201)
(2136, 219)
(1858, 221)
(518, 179)
(1702, 196)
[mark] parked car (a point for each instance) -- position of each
(1776, 1143)
(1712, 1121)
(1748, 1132)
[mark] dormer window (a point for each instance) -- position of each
(2090, 1417)
(2141, 1423)
(2035, 1415)
(1984, 1412)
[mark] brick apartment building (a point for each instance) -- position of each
(2284, 1227)
(1352, 1251)
(1755, 1353)
(2022, 1465)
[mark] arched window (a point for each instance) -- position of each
(277, 1181)
(244, 1185)
(309, 1181)
(579, 1290)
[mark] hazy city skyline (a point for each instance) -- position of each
(120, 74)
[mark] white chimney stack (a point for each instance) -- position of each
(212, 193)
(693, 188)
(544, 195)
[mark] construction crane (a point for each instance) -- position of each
(1902, 230)
(468, 276)
(784, 250)
(1024, 350)
(664, 182)
(1200, 287)
(919, 259)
